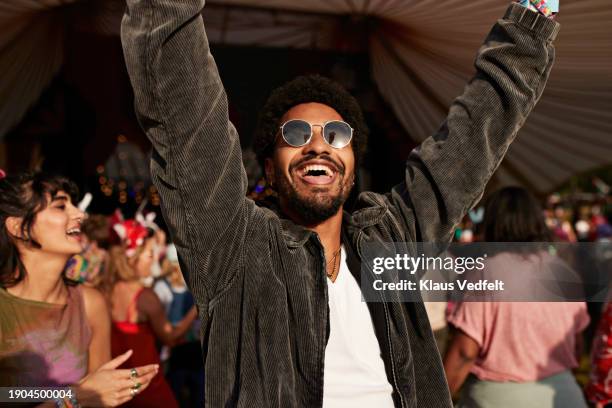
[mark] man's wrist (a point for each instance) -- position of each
(548, 8)
(540, 26)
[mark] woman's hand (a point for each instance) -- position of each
(109, 386)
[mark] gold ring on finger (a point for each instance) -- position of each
(133, 392)
(137, 386)
(133, 373)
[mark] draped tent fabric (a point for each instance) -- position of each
(421, 54)
(31, 53)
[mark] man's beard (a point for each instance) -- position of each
(312, 209)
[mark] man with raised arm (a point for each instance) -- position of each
(277, 289)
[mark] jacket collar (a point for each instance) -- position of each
(296, 235)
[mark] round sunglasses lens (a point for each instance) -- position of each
(338, 134)
(296, 132)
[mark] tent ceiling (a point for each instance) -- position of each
(421, 54)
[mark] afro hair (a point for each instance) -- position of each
(305, 89)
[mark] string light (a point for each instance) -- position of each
(124, 175)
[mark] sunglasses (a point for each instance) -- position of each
(336, 133)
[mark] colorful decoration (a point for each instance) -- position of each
(76, 268)
(132, 234)
(545, 7)
(86, 267)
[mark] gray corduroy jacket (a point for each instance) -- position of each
(258, 279)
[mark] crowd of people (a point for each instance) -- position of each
(530, 349)
(54, 332)
(570, 217)
(109, 294)
(86, 289)
(100, 304)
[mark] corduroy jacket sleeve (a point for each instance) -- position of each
(446, 175)
(196, 162)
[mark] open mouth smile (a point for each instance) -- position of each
(74, 233)
(317, 173)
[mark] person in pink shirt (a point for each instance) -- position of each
(516, 354)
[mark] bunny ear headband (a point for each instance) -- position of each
(132, 235)
(85, 202)
(147, 220)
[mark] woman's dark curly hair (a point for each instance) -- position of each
(24, 196)
(305, 89)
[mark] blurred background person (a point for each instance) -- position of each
(436, 312)
(52, 332)
(89, 266)
(516, 354)
(138, 316)
(96, 228)
(561, 226)
(184, 372)
(599, 389)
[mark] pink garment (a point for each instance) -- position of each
(521, 341)
(43, 344)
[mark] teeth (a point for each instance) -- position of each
(74, 231)
(318, 167)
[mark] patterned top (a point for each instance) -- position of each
(43, 344)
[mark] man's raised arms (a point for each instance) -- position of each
(196, 163)
(446, 175)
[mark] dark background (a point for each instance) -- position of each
(74, 128)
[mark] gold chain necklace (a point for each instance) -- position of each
(336, 264)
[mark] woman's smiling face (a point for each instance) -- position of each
(57, 228)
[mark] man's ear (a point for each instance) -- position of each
(269, 169)
(13, 226)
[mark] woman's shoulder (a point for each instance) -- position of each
(147, 295)
(148, 303)
(95, 303)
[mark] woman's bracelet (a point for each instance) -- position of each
(67, 402)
